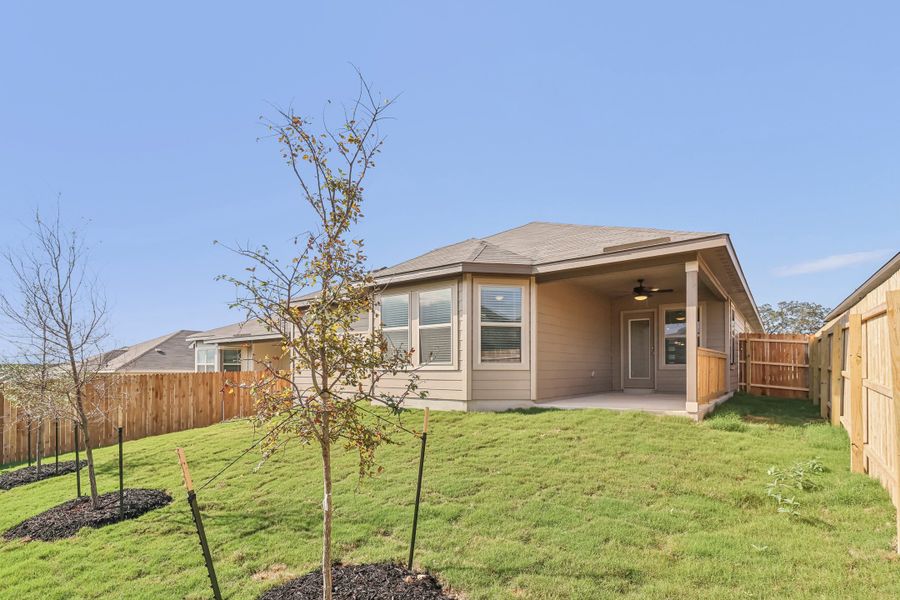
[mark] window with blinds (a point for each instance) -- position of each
(501, 324)
(435, 327)
(395, 321)
(231, 360)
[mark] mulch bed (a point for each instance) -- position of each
(28, 475)
(383, 581)
(66, 519)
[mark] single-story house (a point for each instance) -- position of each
(240, 346)
(549, 314)
(166, 354)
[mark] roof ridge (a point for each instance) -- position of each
(507, 250)
(481, 247)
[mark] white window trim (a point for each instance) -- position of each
(661, 338)
(412, 294)
(215, 363)
(454, 327)
(524, 364)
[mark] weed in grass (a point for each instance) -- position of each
(797, 478)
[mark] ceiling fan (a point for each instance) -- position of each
(641, 293)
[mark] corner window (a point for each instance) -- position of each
(205, 359)
(435, 327)
(675, 336)
(500, 317)
(395, 321)
(231, 360)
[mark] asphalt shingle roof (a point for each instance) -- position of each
(540, 242)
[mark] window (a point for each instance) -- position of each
(500, 324)
(395, 321)
(205, 359)
(231, 360)
(734, 340)
(435, 327)
(675, 336)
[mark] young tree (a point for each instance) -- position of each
(59, 307)
(34, 388)
(793, 316)
(334, 375)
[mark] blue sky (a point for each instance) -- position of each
(776, 122)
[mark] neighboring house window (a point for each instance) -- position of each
(435, 327)
(500, 324)
(205, 359)
(675, 336)
(231, 360)
(395, 321)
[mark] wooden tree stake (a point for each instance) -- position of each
(198, 522)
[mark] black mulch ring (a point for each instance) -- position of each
(28, 475)
(383, 581)
(66, 519)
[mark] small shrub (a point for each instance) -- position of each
(796, 478)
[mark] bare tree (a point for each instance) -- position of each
(34, 387)
(58, 306)
(323, 398)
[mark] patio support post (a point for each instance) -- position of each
(691, 272)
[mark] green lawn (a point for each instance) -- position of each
(535, 504)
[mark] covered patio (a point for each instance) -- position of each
(656, 336)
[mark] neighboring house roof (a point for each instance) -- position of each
(236, 332)
(166, 353)
(879, 277)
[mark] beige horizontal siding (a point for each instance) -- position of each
(573, 341)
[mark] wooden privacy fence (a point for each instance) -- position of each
(857, 372)
(775, 364)
(711, 371)
(153, 404)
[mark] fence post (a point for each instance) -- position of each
(837, 352)
(893, 315)
(813, 375)
(824, 366)
(854, 365)
(747, 353)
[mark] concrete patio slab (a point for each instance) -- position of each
(659, 403)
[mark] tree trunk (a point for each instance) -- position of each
(38, 451)
(327, 509)
(88, 454)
